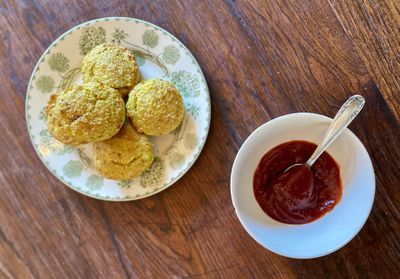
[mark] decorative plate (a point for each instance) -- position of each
(159, 55)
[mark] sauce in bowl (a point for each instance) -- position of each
(297, 195)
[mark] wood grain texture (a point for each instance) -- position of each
(261, 59)
(373, 27)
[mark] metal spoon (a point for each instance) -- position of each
(343, 118)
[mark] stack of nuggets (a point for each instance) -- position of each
(94, 111)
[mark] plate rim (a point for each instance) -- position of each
(107, 19)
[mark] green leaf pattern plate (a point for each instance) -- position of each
(159, 55)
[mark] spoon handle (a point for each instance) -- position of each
(343, 118)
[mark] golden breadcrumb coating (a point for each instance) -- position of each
(113, 65)
(155, 107)
(87, 112)
(125, 156)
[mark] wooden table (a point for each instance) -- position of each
(262, 59)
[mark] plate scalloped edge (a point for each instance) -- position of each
(67, 182)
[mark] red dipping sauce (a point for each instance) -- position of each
(297, 195)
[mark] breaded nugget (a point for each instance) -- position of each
(155, 107)
(112, 65)
(125, 156)
(85, 113)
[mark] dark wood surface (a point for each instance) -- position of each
(262, 59)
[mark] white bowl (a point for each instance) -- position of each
(328, 233)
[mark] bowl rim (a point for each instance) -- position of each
(240, 154)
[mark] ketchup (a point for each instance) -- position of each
(296, 194)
